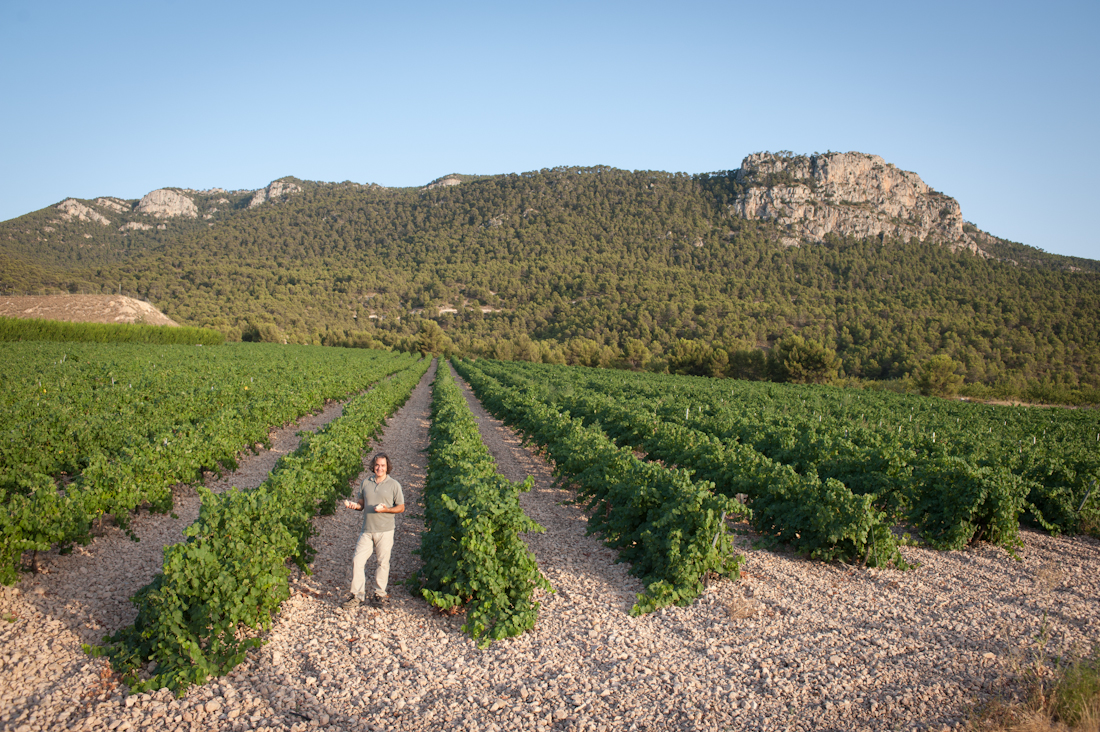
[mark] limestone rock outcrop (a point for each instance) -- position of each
(276, 189)
(449, 180)
(851, 194)
(165, 203)
(71, 209)
(113, 204)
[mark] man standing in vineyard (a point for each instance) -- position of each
(379, 497)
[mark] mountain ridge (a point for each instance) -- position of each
(569, 262)
(782, 187)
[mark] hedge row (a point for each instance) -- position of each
(34, 329)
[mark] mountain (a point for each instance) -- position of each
(590, 265)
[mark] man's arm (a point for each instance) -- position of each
(399, 508)
(356, 505)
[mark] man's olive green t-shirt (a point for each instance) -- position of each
(388, 493)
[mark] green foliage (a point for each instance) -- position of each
(433, 341)
(798, 361)
(29, 329)
(749, 365)
(472, 553)
(939, 376)
(635, 354)
(34, 516)
(670, 528)
(822, 519)
(697, 358)
(960, 471)
(957, 503)
(231, 572)
(119, 424)
(1076, 697)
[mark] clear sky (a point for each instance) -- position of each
(994, 103)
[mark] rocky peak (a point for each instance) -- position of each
(113, 204)
(448, 180)
(276, 189)
(71, 209)
(851, 194)
(165, 203)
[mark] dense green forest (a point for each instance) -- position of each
(595, 266)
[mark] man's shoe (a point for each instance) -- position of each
(351, 603)
(379, 600)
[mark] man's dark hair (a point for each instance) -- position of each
(384, 456)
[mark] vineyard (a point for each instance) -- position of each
(95, 429)
(659, 463)
(829, 472)
(231, 574)
(669, 527)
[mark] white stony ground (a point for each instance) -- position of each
(794, 644)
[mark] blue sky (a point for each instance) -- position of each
(995, 104)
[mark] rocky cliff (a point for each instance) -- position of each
(165, 203)
(71, 209)
(449, 180)
(849, 194)
(275, 190)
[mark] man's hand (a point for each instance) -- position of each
(353, 505)
(380, 508)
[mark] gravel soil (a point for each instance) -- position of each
(794, 644)
(83, 309)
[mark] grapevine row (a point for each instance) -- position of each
(953, 490)
(124, 447)
(841, 505)
(1054, 452)
(821, 518)
(670, 528)
(231, 573)
(472, 552)
(70, 403)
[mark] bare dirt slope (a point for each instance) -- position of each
(793, 645)
(83, 309)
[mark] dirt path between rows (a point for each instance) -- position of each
(793, 645)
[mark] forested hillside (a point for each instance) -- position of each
(587, 265)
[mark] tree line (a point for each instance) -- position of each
(593, 266)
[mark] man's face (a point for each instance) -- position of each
(381, 467)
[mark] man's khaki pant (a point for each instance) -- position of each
(381, 543)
